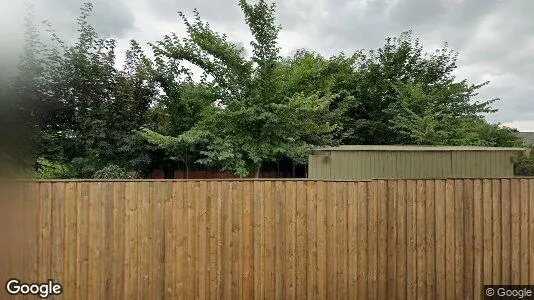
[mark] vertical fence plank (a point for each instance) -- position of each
(270, 222)
(449, 240)
(159, 271)
(248, 238)
(372, 230)
(219, 258)
(430, 239)
(57, 233)
(109, 237)
(331, 246)
(104, 256)
(478, 253)
(281, 208)
(290, 239)
(197, 253)
(440, 212)
(45, 220)
(488, 231)
(181, 239)
(82, 248)
(341, 240)
(391, 287)
(411, 250)
(352, 264)
(524, 228)
(151, 219)
(118, 244)
(401, 241)
(94, 241)
(170, 243)
(497, 217)
(459, 232)
(301, 243)
(312, 279)
(322, 233)
(515, 203)
(131, 241)
(227, 241)
(421, 239)
(240, 241)
(362, 203)
(259, 238)
(506, 231)
(214, 231)
(468, 240)
(201, 218)
(382, 238)
(165, 236)
(192, 238)
(149, 197)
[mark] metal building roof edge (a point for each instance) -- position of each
(415, 148)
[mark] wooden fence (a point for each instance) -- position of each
(254, 239)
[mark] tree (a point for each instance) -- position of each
(177, 109)
(27, 107)
(97, 109)
(444, 115)
(253, 121)
(403, 95)
(309, 72)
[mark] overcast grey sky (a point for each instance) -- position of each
(495, 38)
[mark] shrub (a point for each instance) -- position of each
(114, 172)
(525, 166)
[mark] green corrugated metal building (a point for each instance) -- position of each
(411, 162)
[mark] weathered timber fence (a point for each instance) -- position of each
(381, 239)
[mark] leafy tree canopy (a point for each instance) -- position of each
(257, 119)
(84, 117)
(83, 109)
(401, 94)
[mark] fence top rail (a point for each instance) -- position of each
(266, 179)
(187, 180)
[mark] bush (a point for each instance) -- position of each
(47, 169)
(525, 165)
(115, 172)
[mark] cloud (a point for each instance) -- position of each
(408, 12)
(110, 18)
(224, 12)
(527, 126)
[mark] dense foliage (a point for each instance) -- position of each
(258, 119)
(85, 111)
(87, 118)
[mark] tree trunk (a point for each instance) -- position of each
(258, 168)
